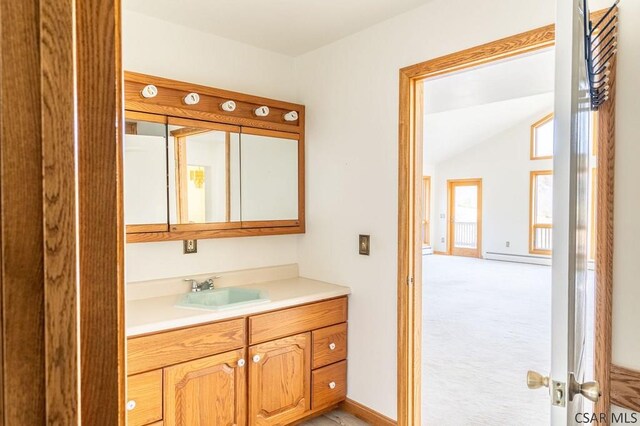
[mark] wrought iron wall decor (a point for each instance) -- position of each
(601, 44)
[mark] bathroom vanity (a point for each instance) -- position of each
(204, 163)
(271, 363)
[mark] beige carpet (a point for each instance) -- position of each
(485, 323)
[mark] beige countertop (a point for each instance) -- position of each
(160, 313)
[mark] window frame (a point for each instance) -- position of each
(532, 212)
(532, 144)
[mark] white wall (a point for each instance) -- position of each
(156, 47)
(351, 91)
(160, 48)
(503, 164)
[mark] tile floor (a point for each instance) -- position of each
(336, 418)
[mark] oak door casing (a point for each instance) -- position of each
(207, 391)
(280, 380)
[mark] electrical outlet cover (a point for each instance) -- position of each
(190, 246)
(364, 244)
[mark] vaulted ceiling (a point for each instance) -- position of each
(469, 107)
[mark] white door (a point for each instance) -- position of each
(570, 180)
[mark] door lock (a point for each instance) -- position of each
(557, 390)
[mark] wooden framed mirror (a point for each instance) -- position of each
(197, 170)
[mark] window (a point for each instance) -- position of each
(541, 218)
(542, 138)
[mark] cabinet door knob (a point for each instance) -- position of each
(332, 346)
(256, 358)
(332, 385)
(241, 362)
(131, 404)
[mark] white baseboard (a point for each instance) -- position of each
(519, 258)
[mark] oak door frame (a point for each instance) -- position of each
(409, 210)
(451, 184)
(61, 221)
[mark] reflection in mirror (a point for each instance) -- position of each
(269, 177)
(204, 175)
(145, 174)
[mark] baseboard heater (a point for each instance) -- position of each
(519, 258)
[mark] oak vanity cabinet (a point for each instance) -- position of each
(206, 391)
(266, 369)
(280, 380)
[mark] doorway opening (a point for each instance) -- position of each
(465, 217)
(411, 328)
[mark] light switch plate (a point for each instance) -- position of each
(364, 244)
(190, 246)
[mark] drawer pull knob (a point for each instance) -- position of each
(241, 362)
(131, 405)
(256, 358)
(332, 346)
(332, 385)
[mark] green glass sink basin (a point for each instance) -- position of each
(222, 298)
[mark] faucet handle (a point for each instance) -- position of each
(214, 277)
(194, 283)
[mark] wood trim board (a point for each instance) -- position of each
(22, 349)
(101, 229)
(409, 175)
(604, 243)
(61, 231)
(625, 388)
(367, 414)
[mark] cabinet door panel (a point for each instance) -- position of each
(280, 380)
(207, 391)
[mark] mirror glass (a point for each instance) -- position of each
(204, 173)
(145, 173)
(269, 177)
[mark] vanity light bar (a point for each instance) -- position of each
(241, 108)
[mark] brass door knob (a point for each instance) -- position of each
(536, 380)
(589, 390)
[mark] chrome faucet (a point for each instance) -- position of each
(207, 284)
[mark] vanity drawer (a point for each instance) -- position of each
(329, 385)
(287, 322)
(329, 345)
(144, 398)
(172, 347)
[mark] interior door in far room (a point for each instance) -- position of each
(465, 217)
(426, 210)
